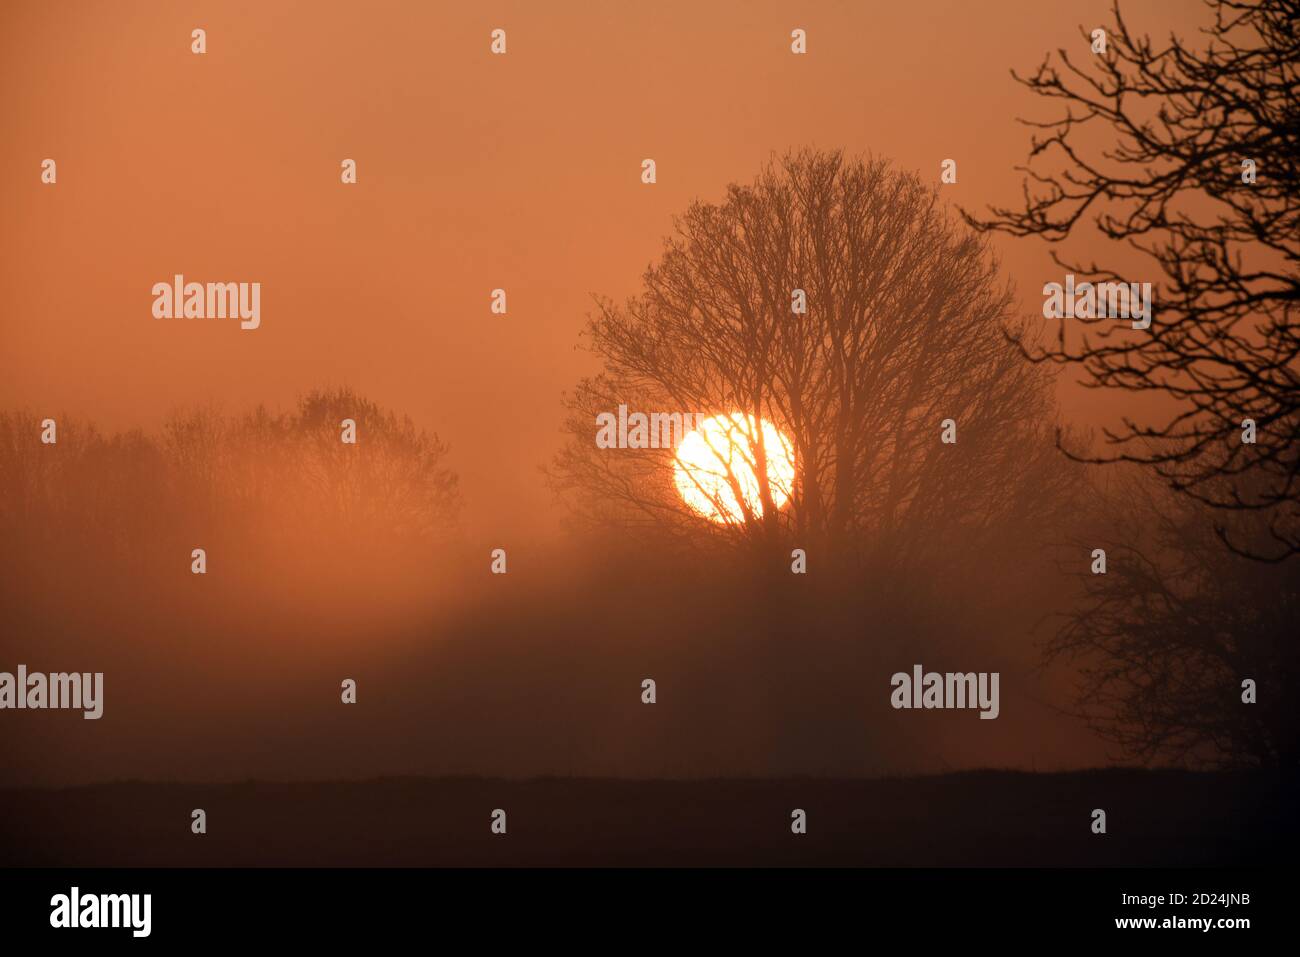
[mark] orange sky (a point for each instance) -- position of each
(475, 171)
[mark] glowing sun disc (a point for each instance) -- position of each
(723, 448)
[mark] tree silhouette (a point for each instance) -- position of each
(1152, 149)
(901, 331)
(292, 470)
(88, 491)
(284, 475)
(1167, 635)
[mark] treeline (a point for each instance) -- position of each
(278, 474)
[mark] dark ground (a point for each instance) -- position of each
(982, 818)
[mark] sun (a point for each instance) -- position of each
(722, 448)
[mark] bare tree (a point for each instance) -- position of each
(87, 490)
(1167, 635)
(1190, 155)
(292, 469)
(902, 330)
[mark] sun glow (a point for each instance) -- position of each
(721, 451)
